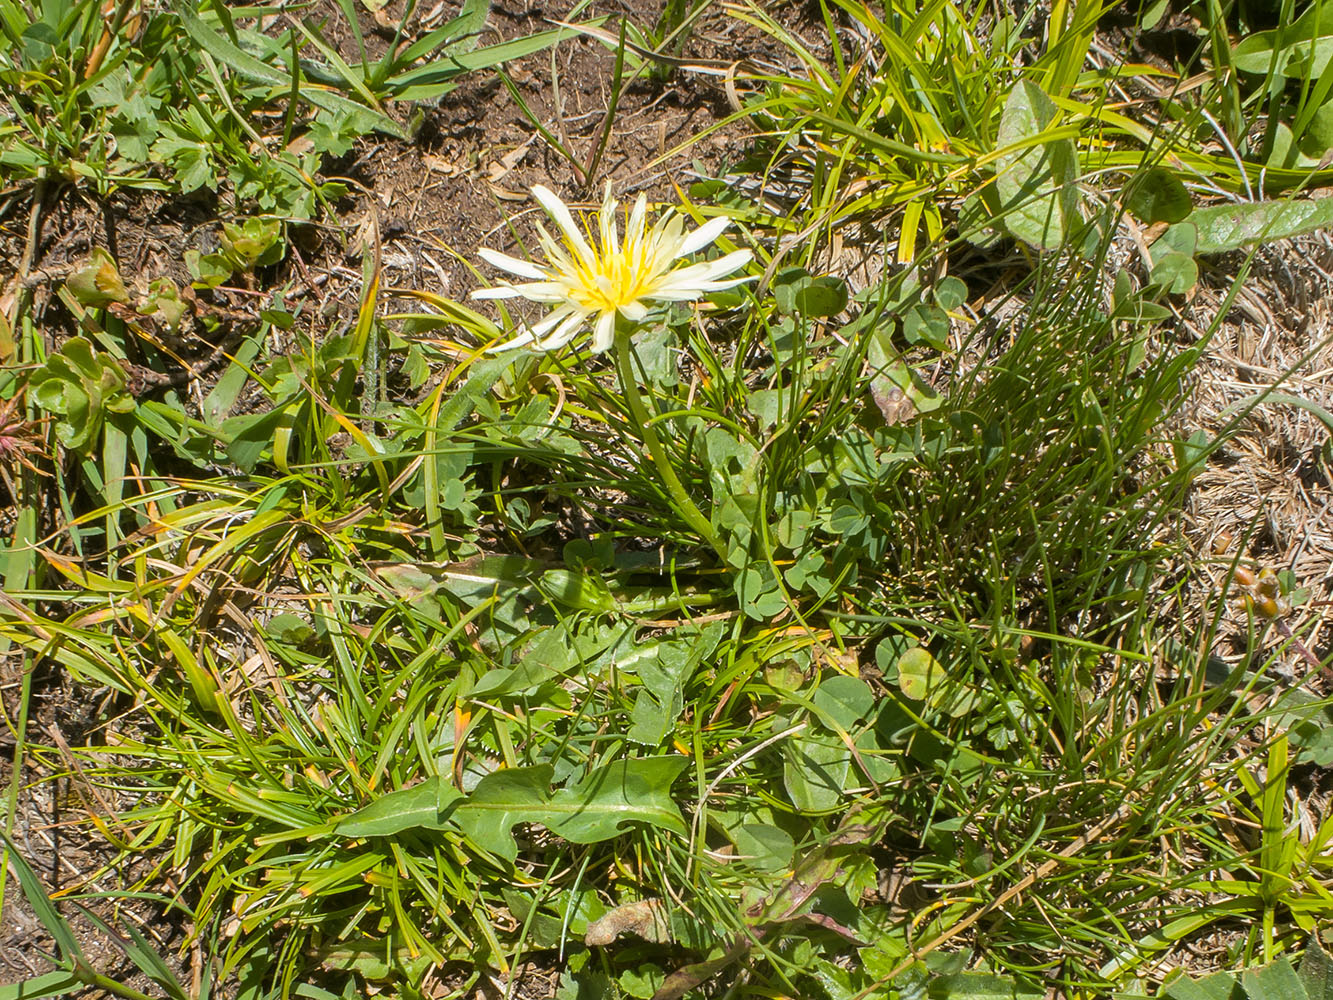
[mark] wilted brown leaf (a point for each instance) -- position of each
(644, 918)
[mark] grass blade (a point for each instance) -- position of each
(41, 904)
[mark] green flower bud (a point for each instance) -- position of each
(96, 282)
(164, 303)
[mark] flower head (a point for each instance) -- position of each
(589, 279)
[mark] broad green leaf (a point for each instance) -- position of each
(1231, 227)
(650, 721)
(500, 800)
(96, 282)
(1152, 14)
(506, 682)
(1300, 50)
(550, 655)
(815, 772)
(1035, 174)
(979, 986)
(1316, 971)
(895, 389)
(1181, 238)
(794, 527)
(642, 982)
(657, 350)
(767, 405)
(486, 574)
(979, 217)
(589, 983)
(1273, 982)
(757, 589)
(877, 765)
(1218, 986)
(1175, 273)
(950, 292)
(846, 520)
(427, 805)
(581, 591)
(765, 847)
(926, 324)
(665, 675)
(1318, 136)
(249, 435)
(820, 297)
(595, 809)
(732, 462)
(786, 284)
(637, 790)
(376, 963)
(289, 628)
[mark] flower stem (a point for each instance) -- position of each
(629, 385)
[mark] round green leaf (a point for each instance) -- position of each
(1157, 195)
(1177, 273)
(847, 700)
(919, 674)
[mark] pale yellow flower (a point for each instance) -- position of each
(590, 279)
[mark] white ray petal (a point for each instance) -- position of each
(605, 334)
(706, 271)
(498, 292)
(606, 223)
(703, 236)
(696, 291)
(538, 291)
(687, 293)
(522, 340)
(554, 318)
(633, 311)
(563, 334)
(523, 268)
(666, 234)
(559, 213)
(634, 228)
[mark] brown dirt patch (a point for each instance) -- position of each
(1267, 495)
